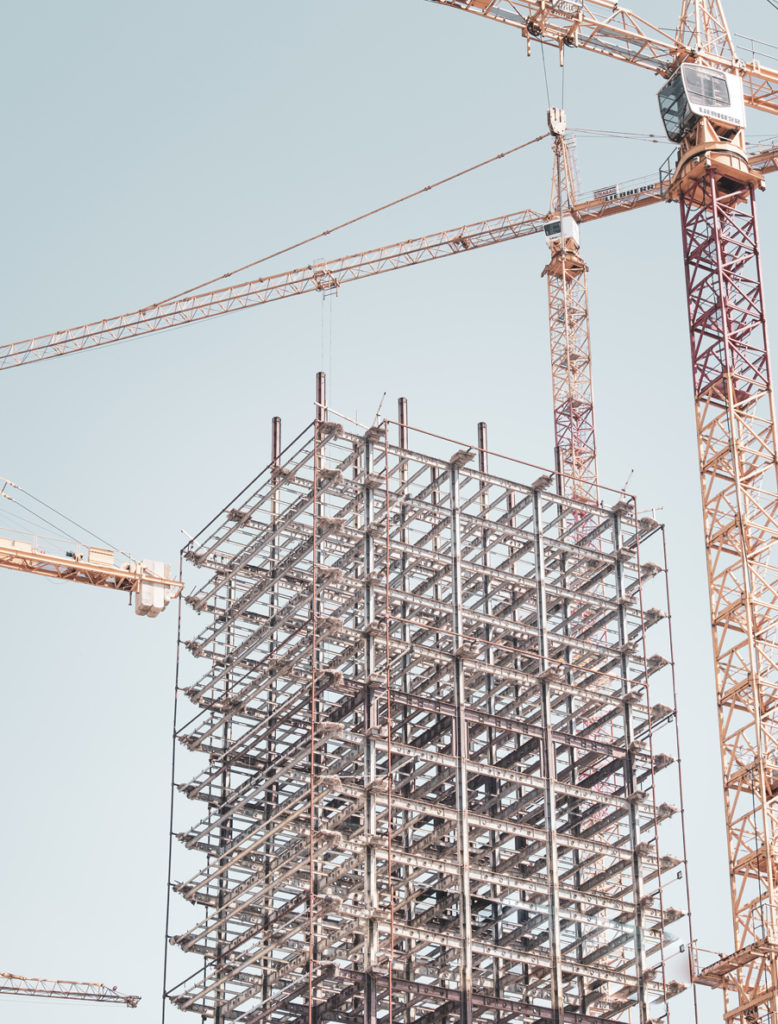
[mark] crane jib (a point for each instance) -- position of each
(330, 275)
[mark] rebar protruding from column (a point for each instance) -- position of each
(275, 441)
(402, 419)
(321, 395)
(483, 461)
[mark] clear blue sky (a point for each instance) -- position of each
(151, 146)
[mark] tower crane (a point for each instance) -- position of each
(86, 992)
(607, 28)
(703, 108)
(149, 582)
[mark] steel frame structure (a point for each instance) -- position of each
(427, 783)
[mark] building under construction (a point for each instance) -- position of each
(433, 739)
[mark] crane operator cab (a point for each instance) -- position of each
(704, 111)
(555, 229)
(695, 92)
(562, 238)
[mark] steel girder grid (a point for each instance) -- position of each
(737, 451)
(407, 815)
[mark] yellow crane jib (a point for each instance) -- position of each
(149, 581)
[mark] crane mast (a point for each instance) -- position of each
(568, 321)
(703, 29)
(714, 182)
(714, 185)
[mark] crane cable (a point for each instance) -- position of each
(353, 220)
(545, 76)
(54, 526)
(32, 512)
(633, 136)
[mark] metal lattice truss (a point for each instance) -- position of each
(45, 988)
(427, 786)
(703, 27)
(329, 275)
(739, 475)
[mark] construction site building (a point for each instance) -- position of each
(430, 771)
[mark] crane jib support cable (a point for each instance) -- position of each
(356, 220)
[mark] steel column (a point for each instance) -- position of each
(460, 747)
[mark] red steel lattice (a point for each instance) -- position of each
(737, 452)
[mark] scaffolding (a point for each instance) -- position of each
(423, 742)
